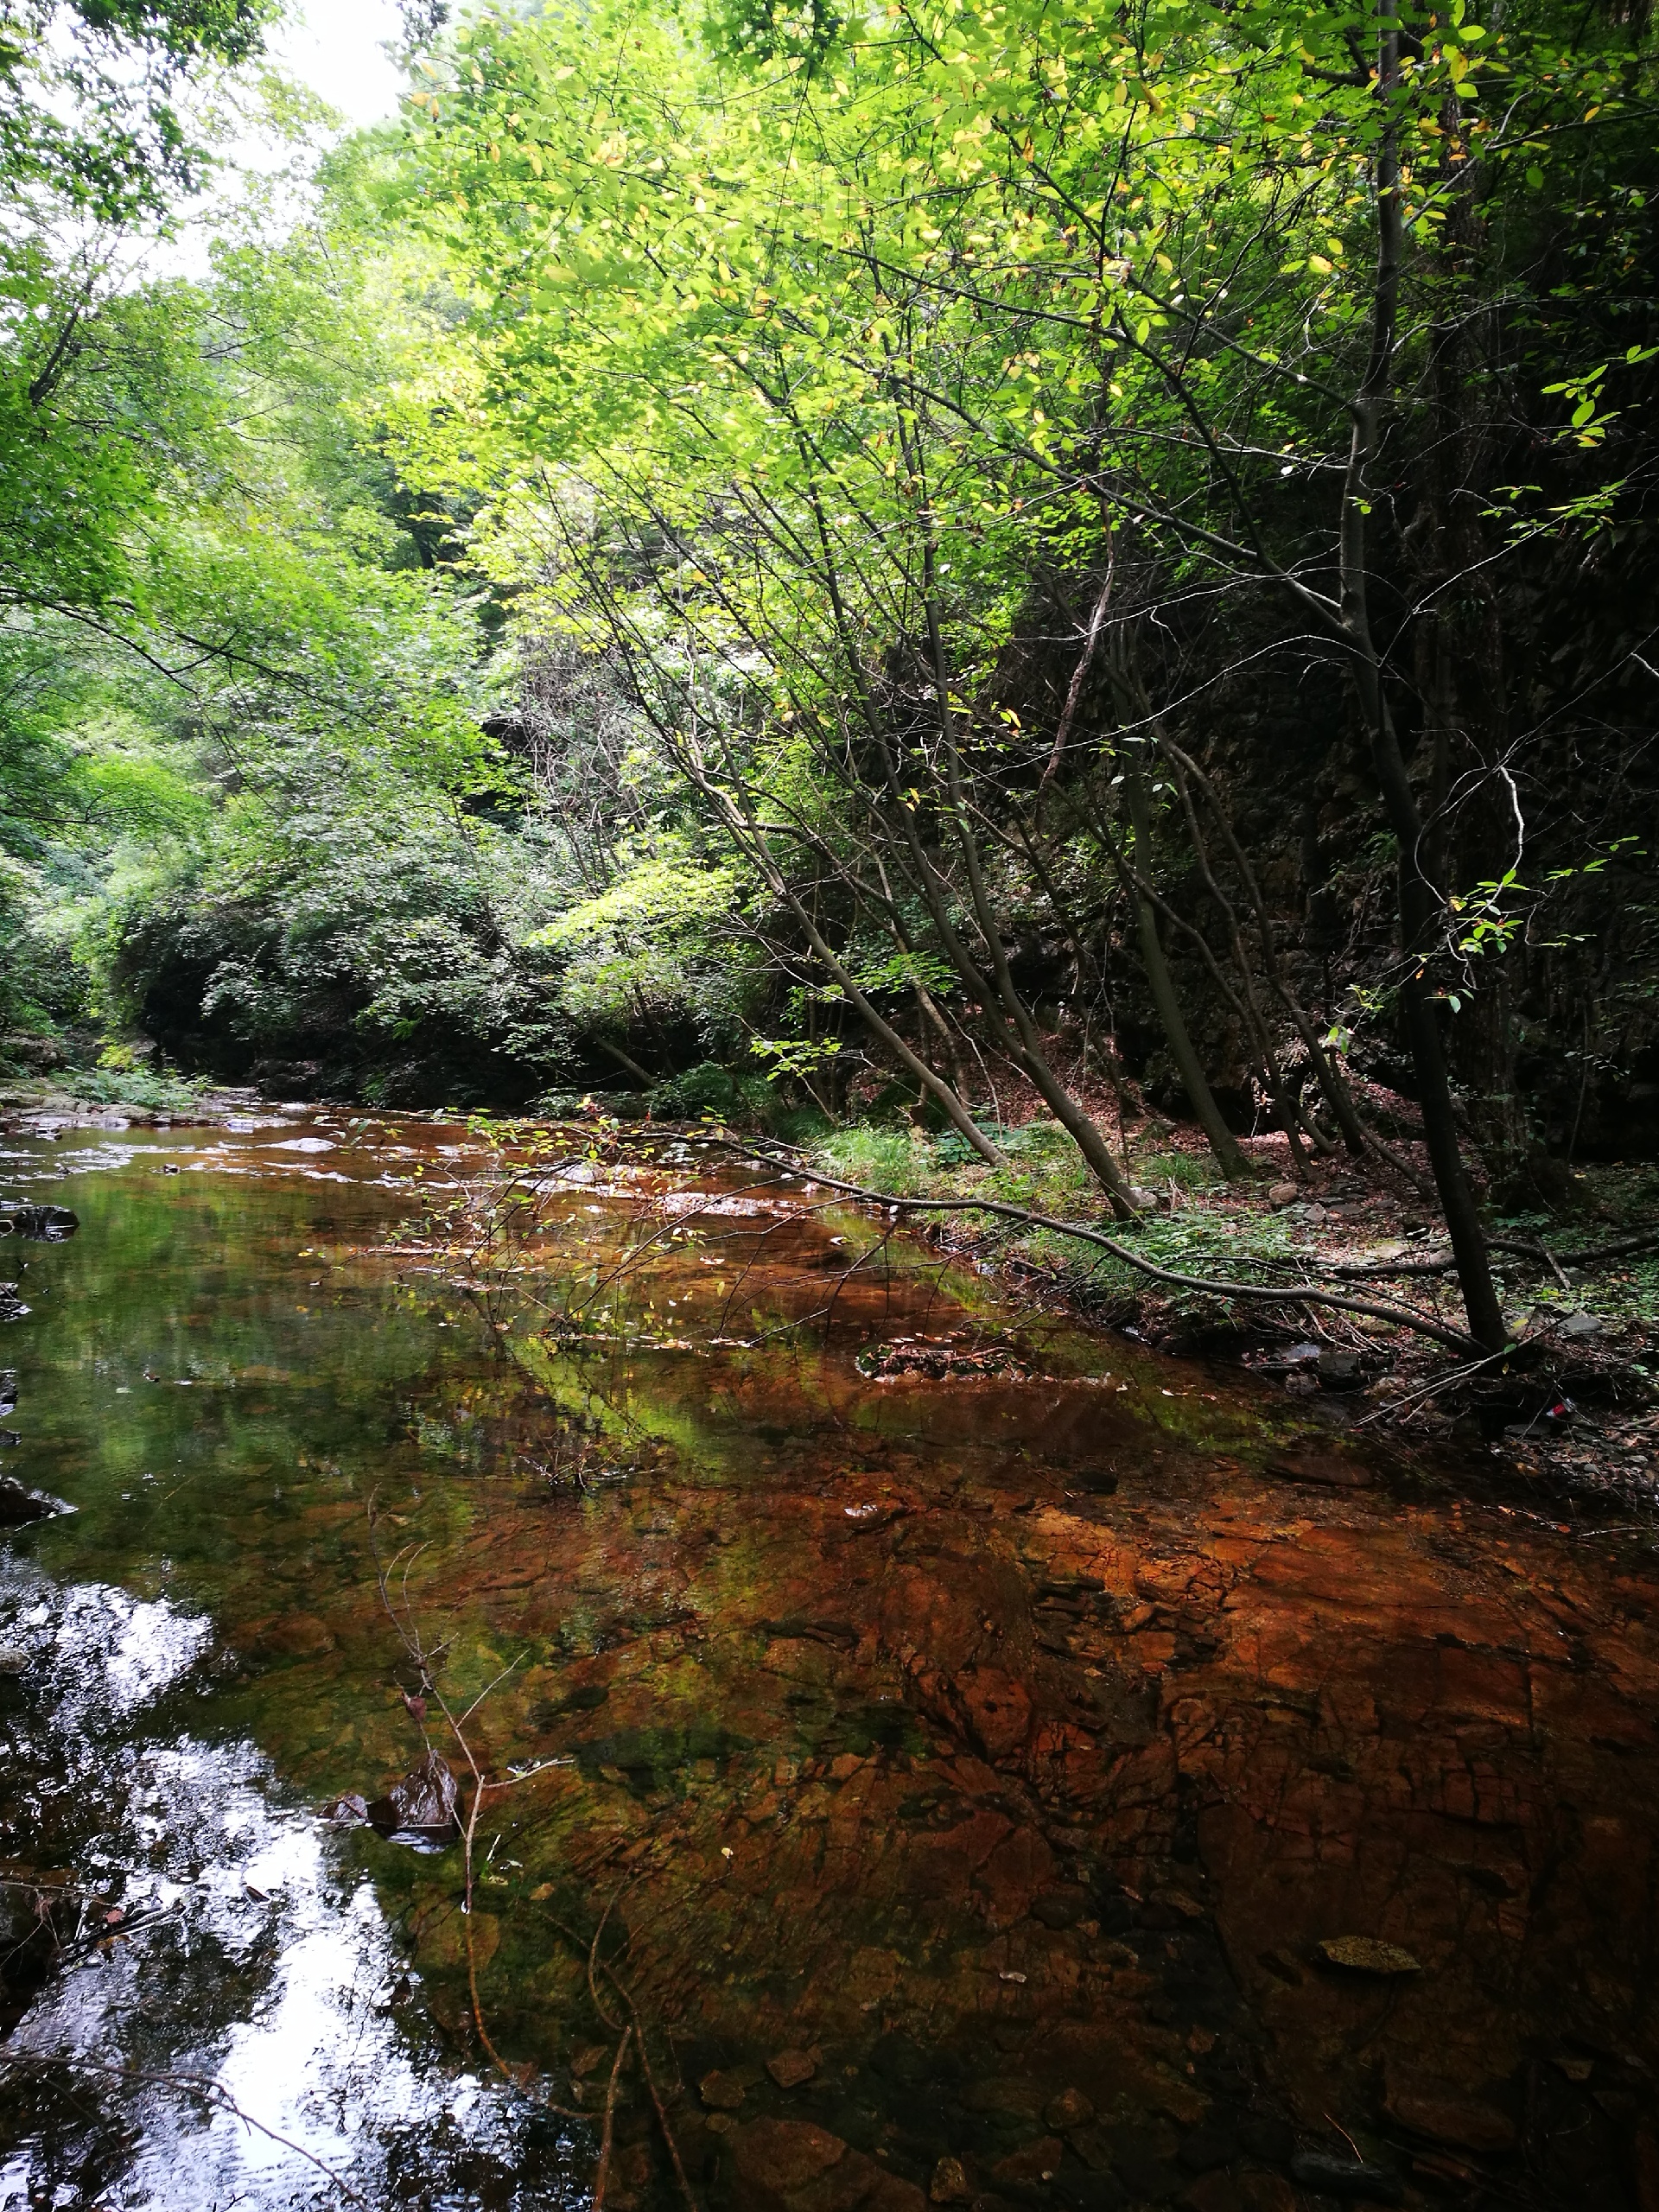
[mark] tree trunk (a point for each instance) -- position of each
(1222, 1142)
(1419, 901)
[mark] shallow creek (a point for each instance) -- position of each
(967, 1772)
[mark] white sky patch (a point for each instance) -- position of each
(336, 47)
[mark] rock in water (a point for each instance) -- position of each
(19, 1505)
(41, 1224)
(950, 2184)
(791, 2068)
(1427, 2106)
(422, 1804)
(1069, 2110)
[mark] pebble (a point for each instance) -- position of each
(1068, 2110)
(721, 2090)
(791, 2068)
(949, 2183)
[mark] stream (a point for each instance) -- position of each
(1064, 1777)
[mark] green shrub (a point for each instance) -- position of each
(706, 1089)
(158, 1093)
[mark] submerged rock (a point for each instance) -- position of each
(785, 2165)
(1427, 2106)
(950, 2184)
(791, 2068)
(1366, 1954)
(422, 1805)
(40, 1224)
(722, 2092)
(19, 1505)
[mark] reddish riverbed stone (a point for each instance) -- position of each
(782, 2165)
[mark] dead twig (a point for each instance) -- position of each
(603, 2175)
(658, 2104)
(592, 1956)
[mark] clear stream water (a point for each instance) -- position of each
(964, 1775)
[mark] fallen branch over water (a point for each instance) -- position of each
(1401, 1317)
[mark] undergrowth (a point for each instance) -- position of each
(157, 1093)
(1042, 1172)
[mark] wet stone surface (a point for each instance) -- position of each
(994, 1780)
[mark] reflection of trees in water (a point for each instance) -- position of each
(611, 1996)
(585, 1246)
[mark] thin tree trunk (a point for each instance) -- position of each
(1077, 1123)
(624, 1060)
(1420, 902)
(1165, 997)
(1340, 1099)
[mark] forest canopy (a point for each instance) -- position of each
(985, 561)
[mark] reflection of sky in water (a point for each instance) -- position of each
(257, 1956)
(118, 1652)
(271, 1971)
(243, 1146)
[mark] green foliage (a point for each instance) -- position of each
(793, 349)
(157, 1092)
(1190, 1171)
(743, 376)
(879, 1159)
(654, 942)
(89, 112)
(346, 924)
